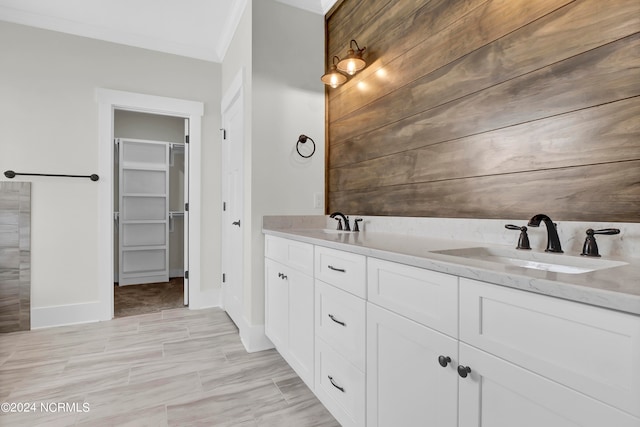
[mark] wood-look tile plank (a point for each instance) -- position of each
(112, 359)
(150, 338)
(140, 385)
(139, 396)
(40, 418)
(58, 387)
(261, 367)
(217, 407)
(155, 416)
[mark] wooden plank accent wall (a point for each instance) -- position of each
(487, 109)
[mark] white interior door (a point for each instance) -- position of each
(144, 212)
(232, 215)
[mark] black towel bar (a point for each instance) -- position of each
(11, 174)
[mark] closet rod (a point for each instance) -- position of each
(11, 174)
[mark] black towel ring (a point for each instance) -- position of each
(303, 139)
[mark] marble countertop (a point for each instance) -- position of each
(616, 288)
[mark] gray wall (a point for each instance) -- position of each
(49, 123)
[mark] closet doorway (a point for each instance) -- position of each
(151, 224)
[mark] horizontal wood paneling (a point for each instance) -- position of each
(595, 77)
(568, 32)
(577, 193)
(476, 96)
(572, 139)
(402, 60)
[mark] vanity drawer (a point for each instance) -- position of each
(340, 322)
(428, 297)
(592, 350)
(344, 270)
(295, 254)
(340, 386)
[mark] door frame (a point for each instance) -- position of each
(108, 101)
(233, 95)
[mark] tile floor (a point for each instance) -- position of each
(172, 368)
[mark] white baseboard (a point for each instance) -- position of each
(253, 338)
(176, 272)
(60, 315)
(204, 299)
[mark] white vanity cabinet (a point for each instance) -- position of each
(520, 358)
(412, 346)
(289, 303)
(340, 331)
(387, 344)
(537, 360)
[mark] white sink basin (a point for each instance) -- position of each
(330, 231)
(557, 263)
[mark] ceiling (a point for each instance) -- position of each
(199, 29)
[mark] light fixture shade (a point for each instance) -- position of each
(333, 77)
(353, 62)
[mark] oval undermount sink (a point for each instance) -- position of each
(557, 263)
(330, 231)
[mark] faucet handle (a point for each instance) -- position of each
(339, 224)
(590, 247)
(608, 231)
(523, 240)
(355, 224)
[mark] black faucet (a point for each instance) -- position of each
(553, 241)
(347, 227)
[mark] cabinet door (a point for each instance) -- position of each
(497, 393)
(590, 349)
(406, 385)
(276, 316)
(301, 322)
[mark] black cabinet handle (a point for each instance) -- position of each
(340, 270)
(336, 320)
(334, 384)
(236, 223)
(444, 361)
(463, 371)
(282, 276)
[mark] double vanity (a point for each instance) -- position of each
(393, 328)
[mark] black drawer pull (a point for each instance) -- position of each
(340, 270)
(331, 316)
(334, 384)
(282, 276)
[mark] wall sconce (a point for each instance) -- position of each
(353, 62)
(333, 78)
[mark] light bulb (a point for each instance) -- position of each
(351, 68)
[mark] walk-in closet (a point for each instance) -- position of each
(150, 178)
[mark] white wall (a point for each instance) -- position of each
(283, 99)
(288, 100)
(49, 123)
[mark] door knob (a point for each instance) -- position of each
(236, 223)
